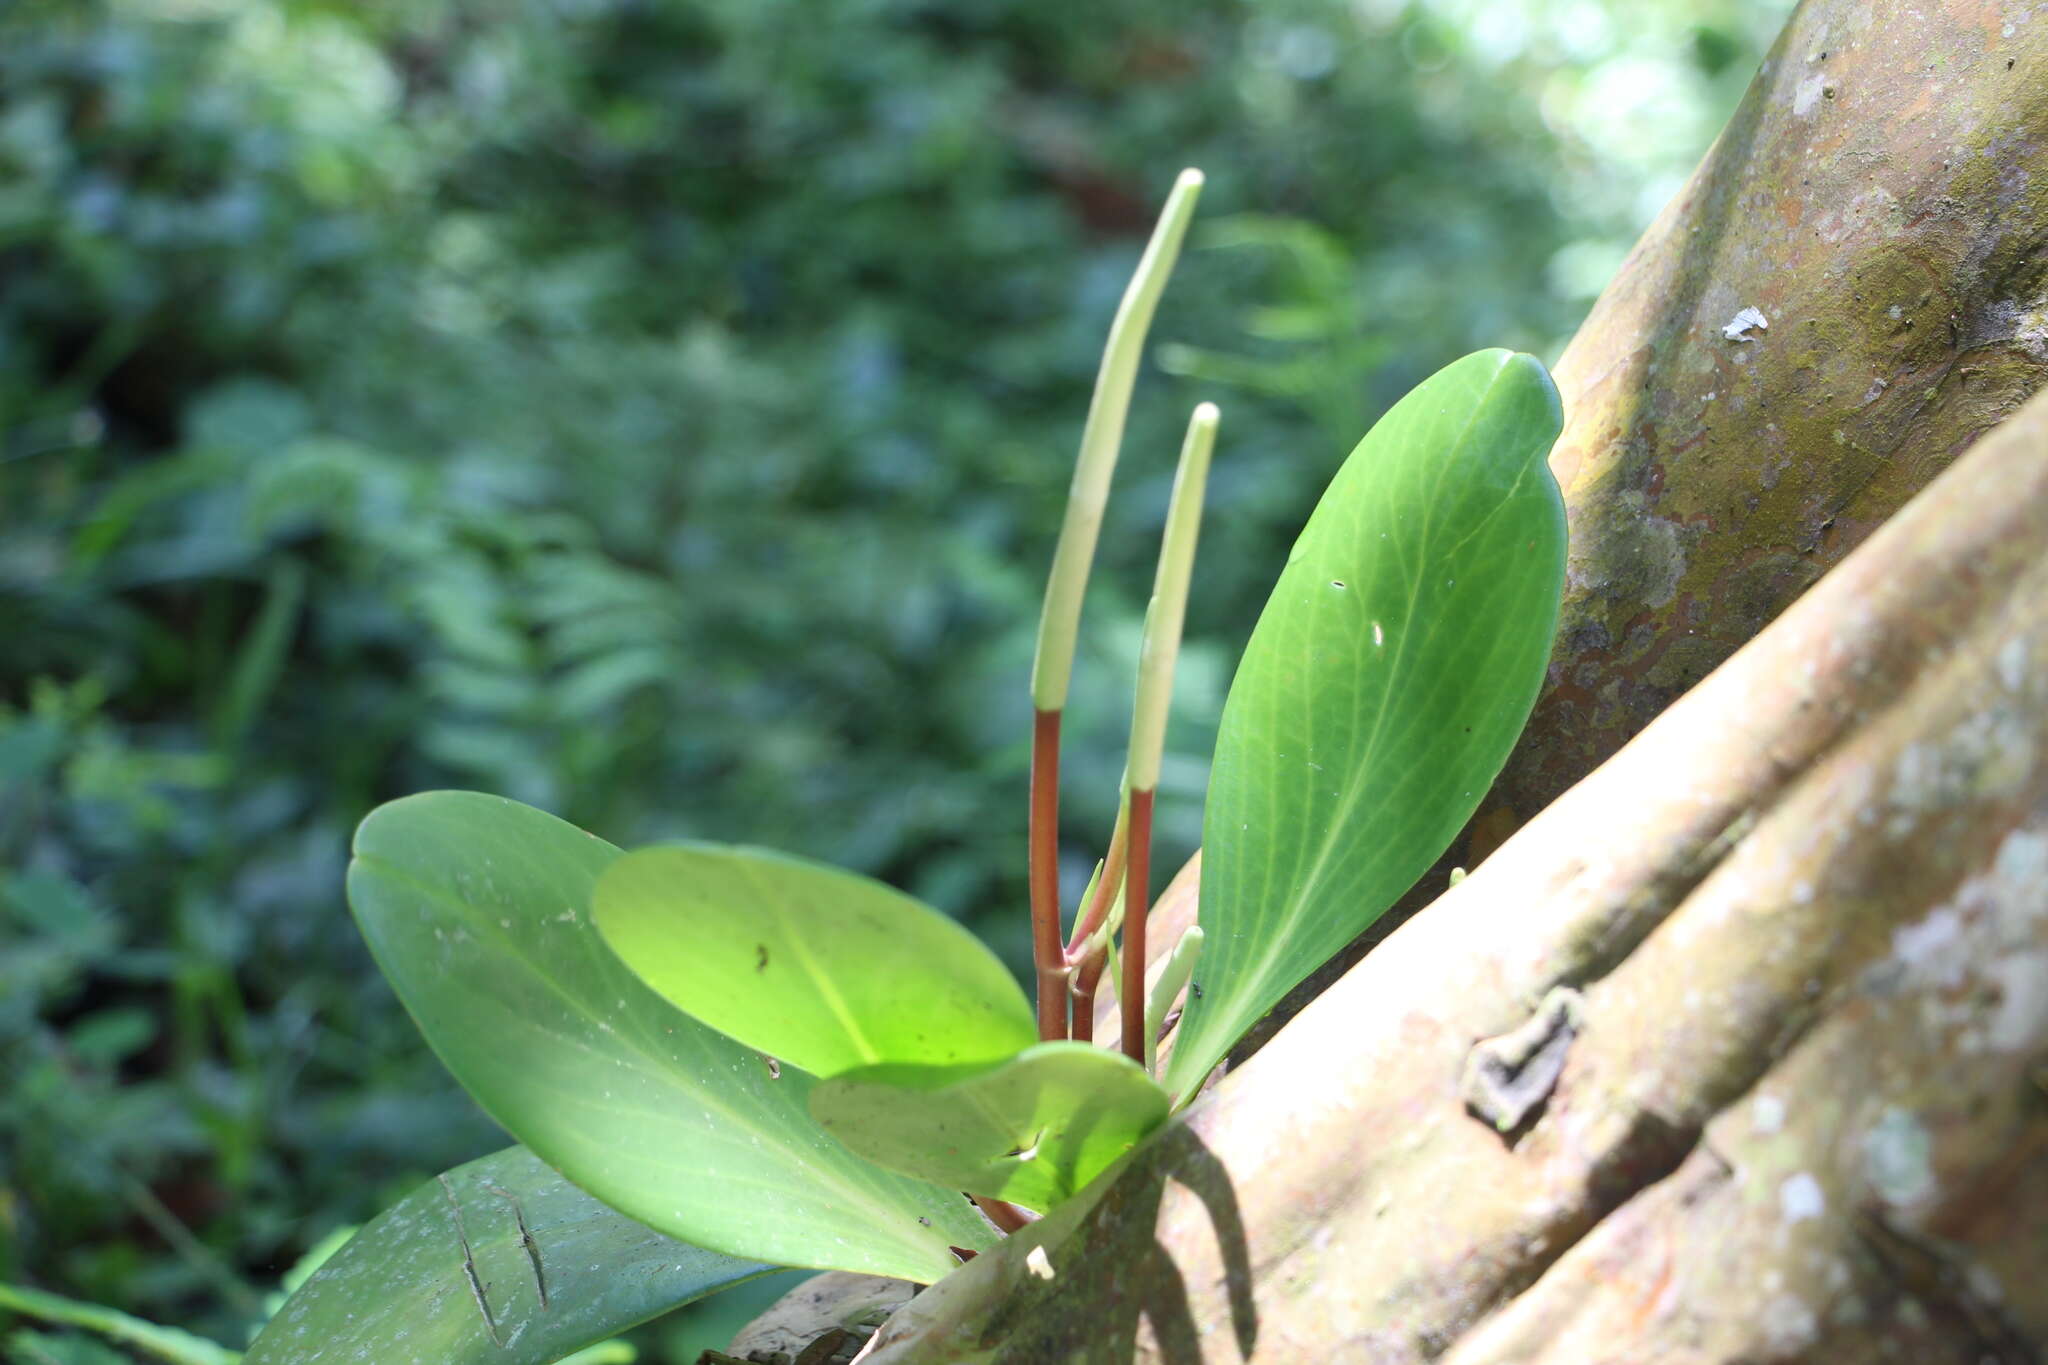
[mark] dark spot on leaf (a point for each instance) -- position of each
(1336, 582)
(774, 1067)
(924, 1220)
(760, 957)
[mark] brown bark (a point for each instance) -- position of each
(1739, 1050)
(1881, 197)
(1790, 954)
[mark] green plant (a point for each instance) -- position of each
(787, 1063)
(718, 1059)
(641, 486)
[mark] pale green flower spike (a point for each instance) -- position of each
(1104, 941)
(1180, 966)
(1105, 936)
(1094, 882)
(1101, 436)
(1113, 968)
(1168, 608)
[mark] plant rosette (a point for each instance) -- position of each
(718, 1060)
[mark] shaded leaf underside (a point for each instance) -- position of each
(400, 1293)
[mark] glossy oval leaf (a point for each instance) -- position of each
(820, 968)
(1388, 677)
(478, 910)
(556, 1270)
(1032, 1129)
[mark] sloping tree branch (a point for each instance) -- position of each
(1881, 197)
(1739, 1051)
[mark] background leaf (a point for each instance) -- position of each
(398, 1292)
(477, 908)
(1388, 677)
(159, 1343)
(820, 968)
(1032, 1129)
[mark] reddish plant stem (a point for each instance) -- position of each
(1007, 1217)
(1136, 895)
(1085, 976)
(1097, 909)
(1044, 840)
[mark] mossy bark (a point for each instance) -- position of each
(1881, 198)
(1738, 1050)
(1796, 1108)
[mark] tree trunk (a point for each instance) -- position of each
(1739, 1050)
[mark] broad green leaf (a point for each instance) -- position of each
(1032, 1129)
(814, 966)
(477, 909)
(400, 1293)
(1386, 681)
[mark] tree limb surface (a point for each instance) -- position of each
(1881, 199)
(1794, 941)
(1738, 1051)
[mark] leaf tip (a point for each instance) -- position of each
(1529, 370)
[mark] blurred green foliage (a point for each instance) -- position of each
(658, 412)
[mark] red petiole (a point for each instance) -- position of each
(1136, 886)
(1045, 876)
